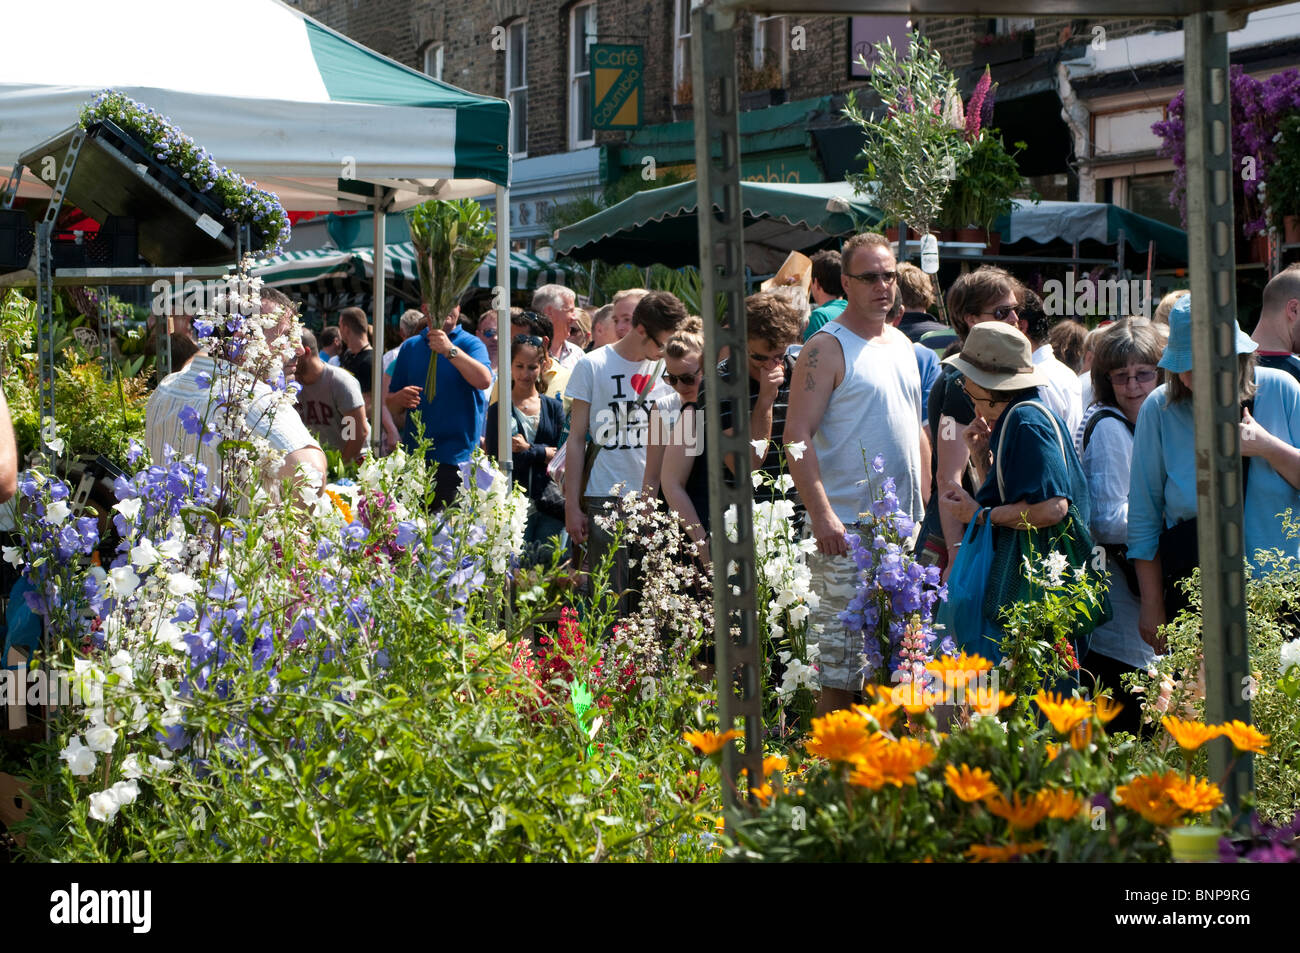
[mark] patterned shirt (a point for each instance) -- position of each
(772, 462)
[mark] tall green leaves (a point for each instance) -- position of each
(914, 152)
(451, 238)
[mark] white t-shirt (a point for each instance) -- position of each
(876, 410)
(1062, 391)
(621, 394)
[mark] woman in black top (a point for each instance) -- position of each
(684, 478)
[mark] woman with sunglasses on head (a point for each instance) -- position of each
(684, 477)
(683, 354)
(985, 294)
(538, 428)
(1124, 373)
(1162, 535)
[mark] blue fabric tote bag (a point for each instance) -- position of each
(962, 616)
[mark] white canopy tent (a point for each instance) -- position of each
(316, 118)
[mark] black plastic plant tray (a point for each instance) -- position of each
(115, 176)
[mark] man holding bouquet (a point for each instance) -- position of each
(453, 414)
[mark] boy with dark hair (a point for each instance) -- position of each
(826, 292)
(613, 389)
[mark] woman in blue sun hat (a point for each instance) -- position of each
(1162, 539)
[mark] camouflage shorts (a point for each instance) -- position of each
(834, 579)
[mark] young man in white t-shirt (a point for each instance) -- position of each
(856, 390)
(613, 390)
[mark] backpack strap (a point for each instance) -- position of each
(1101, 415)
(1002, 492)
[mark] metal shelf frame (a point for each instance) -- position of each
(1212, 280)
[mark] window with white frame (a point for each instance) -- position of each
(517, 85)
(682, 51)
(582, 34)
(433, 60)
(771, 47)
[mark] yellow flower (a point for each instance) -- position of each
(1148, 795)
(1021, 815)
(1107, 708)
(969, 784)
(773, 763)
(1061, 805)
(1196, 795)
(867, 774)
(840, 736)
(960, 669)
(882, 713)
(1052, 750)
(1190, 735)
(1063, 713)
(707, 743)
(914, 698)
(987, 702)
(898, 761)
(341, 504)
(763, 795)
(1000, 855)
(1081, 736)
(1244, 737)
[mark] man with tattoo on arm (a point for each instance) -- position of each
(855, 396)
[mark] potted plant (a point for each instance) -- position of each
(761, 87)
(1283, 181)
(989, 178)
(912, 152)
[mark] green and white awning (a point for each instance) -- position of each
(275, 95)
(323, 264)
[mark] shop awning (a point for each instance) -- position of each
(1102, 222)
(306, 267)
(659, 226)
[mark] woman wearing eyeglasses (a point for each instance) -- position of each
(1124, 373)
(684, 475)
(537, 428)
(1162, 538)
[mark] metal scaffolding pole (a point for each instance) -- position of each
(722, 270)
(1215, 386)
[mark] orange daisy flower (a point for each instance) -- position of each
(1196, 795)
(883, 713)
(969, 784)
(1244, 737)
(1061, 805)
(1147, 794)
(1190, 735)
(773, 763)
(1000, 855)
(1106, 708)
(840, 736)
(1021, 815)
(959, 669)
(1063, 713)
(708, 743)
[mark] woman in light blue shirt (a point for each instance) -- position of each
(1162, 488)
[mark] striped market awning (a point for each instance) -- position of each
(324, 264)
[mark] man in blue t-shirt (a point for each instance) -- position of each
(1278, 331)
(454, 416)
(826, 291)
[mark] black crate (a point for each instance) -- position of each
(115, 245)
(66, 251)
(17, 238)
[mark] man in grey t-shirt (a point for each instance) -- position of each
(330, 402)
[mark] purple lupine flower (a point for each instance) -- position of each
(975, 108)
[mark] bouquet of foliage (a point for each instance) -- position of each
(451, 238)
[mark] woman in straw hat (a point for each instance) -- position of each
(1162, 539)
(1021, 449)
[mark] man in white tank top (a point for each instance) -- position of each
(855, 395)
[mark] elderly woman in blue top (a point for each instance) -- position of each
(1041, 474)
(1162, 488)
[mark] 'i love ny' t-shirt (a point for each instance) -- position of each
(621, 394)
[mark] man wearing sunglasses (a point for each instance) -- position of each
(856, 396)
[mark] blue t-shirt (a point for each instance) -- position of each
(1035, 467)
(454, 419)
(927, 362)
(1162, 483)
(828, 312)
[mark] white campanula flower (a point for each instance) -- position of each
(80, 759)
(13, 556)
(756, 477)
(785, 483)
(129, 508)
(104, 806)
(160, 765)
(181, 585)
(1289, 655)
(50, 433)
(799, 614)
(172, 548)
(169, 633)
(131, 767)
(796, 450)
(126, 791)
(144, 554)
(101, 738)
(57, 512)
(760, 447)
(123, 581)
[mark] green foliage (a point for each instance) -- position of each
(1284, 174)
(913, 153)
(985, 184)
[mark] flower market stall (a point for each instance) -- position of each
(318, 119)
